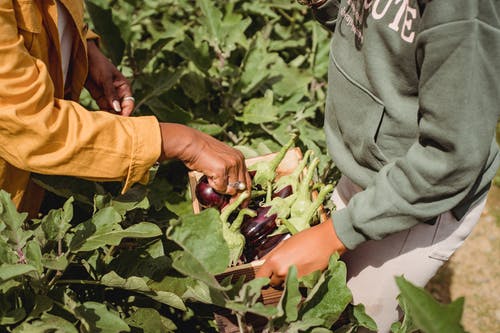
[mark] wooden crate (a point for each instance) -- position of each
(269, 296)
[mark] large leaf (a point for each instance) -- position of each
(150, 321)
(211, 20)
(47, 324)
(259, 110)
(200, 235)
(111, 36)
(429, 315)
(12, 222)
(330, 296)
(57, 222)
(104, 229)
(139, 284)
(96, 317)
(291, 298)
(11, 271)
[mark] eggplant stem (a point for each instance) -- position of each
(281, 154)
(319, 200)
(224, 215)
(235, 226)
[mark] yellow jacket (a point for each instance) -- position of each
(42, 127)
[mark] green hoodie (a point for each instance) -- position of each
(413, 102)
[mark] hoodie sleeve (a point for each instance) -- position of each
(43, 134)
(458, 110)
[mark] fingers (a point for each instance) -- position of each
(229, 174)
(118, 92)
(223, 165)
(271, 271)
(128, 104)
(124, 91)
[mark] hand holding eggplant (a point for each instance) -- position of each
(309, 250)
(222, 164)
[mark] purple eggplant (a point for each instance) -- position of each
(269, 243)
(208, 197)
(284, 192)
(255, 228)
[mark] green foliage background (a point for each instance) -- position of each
(247, 72)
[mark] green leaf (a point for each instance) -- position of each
(42, 304)
(34, 255)
(211, 20)
(47, 324)
(308, 325)
(260, 110)
(11, 271)
(135, 198)
(206, 127)
(104, 229)
(329, 298)
(150, 321)
(292, 80)
(291, 298)
(429, 315)
(362, 318)
(256, 65)
(64, 186)
(407, 325)
(12, 222)
(57, 222)
(161, 83)
(55, 262)
(135, 283)
(201, 292)
(7, 255)
(110, 33)
(188, 265)
(247, 299)
(96, 317)
(139, 284)
(200, 235)
(11, 317)
(194, 86)
(198, 55)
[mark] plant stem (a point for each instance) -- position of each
(224, 215)
(79, 281)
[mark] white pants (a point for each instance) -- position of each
(416, 253)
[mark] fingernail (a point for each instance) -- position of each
(116, 106)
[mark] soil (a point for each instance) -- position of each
(473, 272)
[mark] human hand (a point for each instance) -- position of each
(109, 88)
(309, 251)
(223, 165)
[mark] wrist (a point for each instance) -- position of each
(175, 139)
(328, 231)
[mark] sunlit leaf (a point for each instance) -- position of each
(96, 317)
(150, 321)
(429, 315)
(47, 324)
